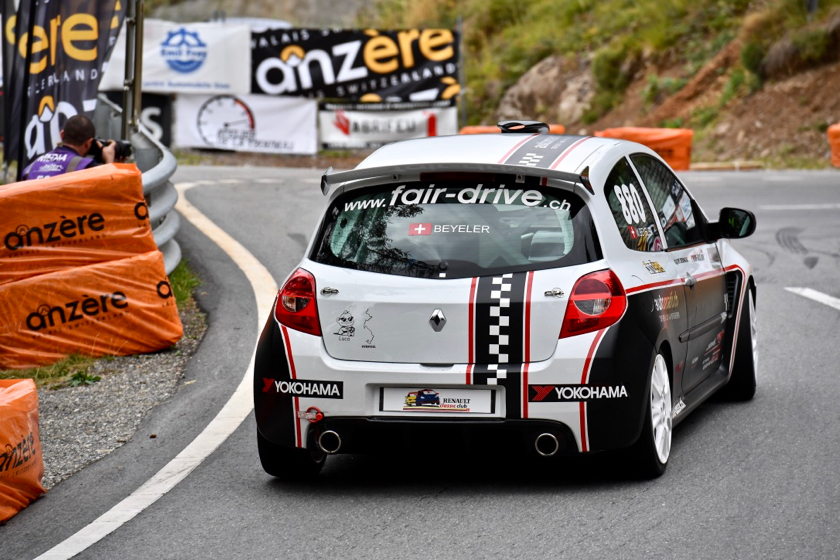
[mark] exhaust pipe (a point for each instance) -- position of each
(329, 442)
(547, 444)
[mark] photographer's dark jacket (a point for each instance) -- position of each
(63, 159)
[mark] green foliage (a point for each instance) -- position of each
(733, 86)
(703, 116)
(752, 54)
(672, 123)
(82, 378)
(53, 375)
(812, 45)
(183, 281)
(657, 89)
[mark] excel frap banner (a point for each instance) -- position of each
(68, 51)
(357, 65)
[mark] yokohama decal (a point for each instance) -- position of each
(497, 341)
(295, 419)
(542, 151)
(587, 367)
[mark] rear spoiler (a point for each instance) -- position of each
(398, 172)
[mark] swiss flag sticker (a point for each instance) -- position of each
(633, 233)
(420, 229)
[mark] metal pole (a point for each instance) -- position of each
(138, 66)
(130, 49)
(462, 102)
(24, 88)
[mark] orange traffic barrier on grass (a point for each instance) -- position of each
(113, 308)
(21, 460)
(552, 129)
(672, 144)
(834, 142)
(71, 220)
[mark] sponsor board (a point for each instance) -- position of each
(305, 388)
(575, 393)
(188, 58)
(437, 400)
(246, 123)
(155, 114)
(359, 65)
(74, 41)
(354, 126)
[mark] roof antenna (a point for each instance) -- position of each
(528, 127)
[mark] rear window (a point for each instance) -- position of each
(456, 230)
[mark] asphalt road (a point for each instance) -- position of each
(751, 480)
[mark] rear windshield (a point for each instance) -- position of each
(456, 230)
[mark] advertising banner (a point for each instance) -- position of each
(114, 308)
(246, 123)
(21, 457)
(188, 58)
(370, 125)
(72, 41)
(72, 220)
(358, 65)
(155, 114)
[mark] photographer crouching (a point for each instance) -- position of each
(80, 149)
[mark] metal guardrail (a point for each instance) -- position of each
(157, 165)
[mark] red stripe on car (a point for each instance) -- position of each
(567, 151)
(507, 155)
(584, 379)
(471, 350)
(293, 373)
(528, 285)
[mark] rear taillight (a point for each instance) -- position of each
(597, 301)
(296, 306)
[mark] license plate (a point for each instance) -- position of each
(436, 401)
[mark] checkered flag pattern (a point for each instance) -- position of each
(530, 159)
(499, 325)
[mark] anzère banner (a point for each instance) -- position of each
(368, 125)
(357, 65)
(246, 123)
(70, 46)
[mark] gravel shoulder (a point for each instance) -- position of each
(80, 425)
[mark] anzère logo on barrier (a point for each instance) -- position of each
(67, 228)
(164, 289)
(88, 307)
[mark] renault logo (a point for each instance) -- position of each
(437, 320)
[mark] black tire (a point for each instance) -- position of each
(742, 382)
(289, 463)
(649, 455)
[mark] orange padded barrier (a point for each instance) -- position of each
(71, 220)
(113, 308)
(21, 459)
(672, 144)
(552, 129)
(834, 142)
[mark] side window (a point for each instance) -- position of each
(672, 203)
(636, 223)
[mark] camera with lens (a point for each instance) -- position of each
(122, 150)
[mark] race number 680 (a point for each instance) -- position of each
(631, 204)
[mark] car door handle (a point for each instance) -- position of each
(690, 281)
(329, 292)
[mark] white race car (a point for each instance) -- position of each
(564, 292)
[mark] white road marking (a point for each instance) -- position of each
(231, 181)
(269, 181)
(816, 296)
(217, 431)
(800, 207)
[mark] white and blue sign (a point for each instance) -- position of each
(184, 51)
(206, 58)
